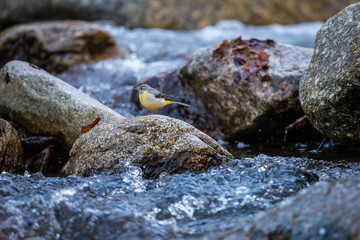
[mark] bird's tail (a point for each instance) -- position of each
(180, 103)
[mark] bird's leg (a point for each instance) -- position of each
(156, 111)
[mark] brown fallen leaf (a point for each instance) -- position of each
(86, 128)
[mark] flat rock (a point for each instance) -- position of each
(155, 143)
(251, 86)
(45, 105)
(173, 14)
(327, 210)
(329, 91)
(57, 45)
(11, 151)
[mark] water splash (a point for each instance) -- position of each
(180, 206)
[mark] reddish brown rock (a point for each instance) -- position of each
(250, 87)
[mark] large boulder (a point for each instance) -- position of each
(11, 151)
(173, 14)
(155, 143)
(251, 87)
(330, 89)
(45, 105)
(57, 45)
(327, 210)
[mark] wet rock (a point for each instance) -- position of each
(170, 84)
(251, 87)
(173, 14)
(327, 210)
(55, 46)
(11, 151)
(155, 143)
(329, 92)
(45, 105)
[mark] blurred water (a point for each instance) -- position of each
(159, 44)
(126, 206)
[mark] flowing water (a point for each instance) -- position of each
(185, 206)
(127, 206)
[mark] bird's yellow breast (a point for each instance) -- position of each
(150, 101)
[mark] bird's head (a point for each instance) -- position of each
(143, 87)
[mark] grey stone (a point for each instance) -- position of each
(327, 210)
(155, 143)
(330, 90)
(45, 105)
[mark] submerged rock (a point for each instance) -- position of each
(155, 143)
(45, 105)
(330, 90)
(327, 210)
(11, 151)
(174, 14)
(251, 87)
(57, 45)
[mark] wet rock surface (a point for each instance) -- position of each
(173, 14)
(180, 206)
(327, 210)
(154, 143)
(45, 105)
(57, 45)
(329, 92)
(250, 86)
(11, 151)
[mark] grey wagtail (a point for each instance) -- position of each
(153, 99)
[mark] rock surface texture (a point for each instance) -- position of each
(55, 46)
(45, 105)
(173, 14)
(327, 210)
(11, 151)
(155, 143)
(330, 90)
(251, 87)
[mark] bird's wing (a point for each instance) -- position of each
(161, 95)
